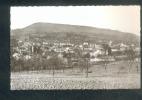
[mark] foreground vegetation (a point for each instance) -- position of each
(117, 76)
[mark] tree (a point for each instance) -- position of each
(130, 53)
(105, 47)
(87, 64)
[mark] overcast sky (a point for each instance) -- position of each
(122, 18)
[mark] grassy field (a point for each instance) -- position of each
(117, 75)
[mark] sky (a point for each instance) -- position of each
(121, 18)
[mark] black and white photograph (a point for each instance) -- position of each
(75, 47)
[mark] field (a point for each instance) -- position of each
(117, 75)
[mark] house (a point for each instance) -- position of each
(97, 53)
(123, 47)
(85, 43)
(98, 47)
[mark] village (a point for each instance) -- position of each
(62, 55)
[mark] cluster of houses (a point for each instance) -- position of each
(28, 49)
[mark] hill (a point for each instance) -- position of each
(50, 31)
